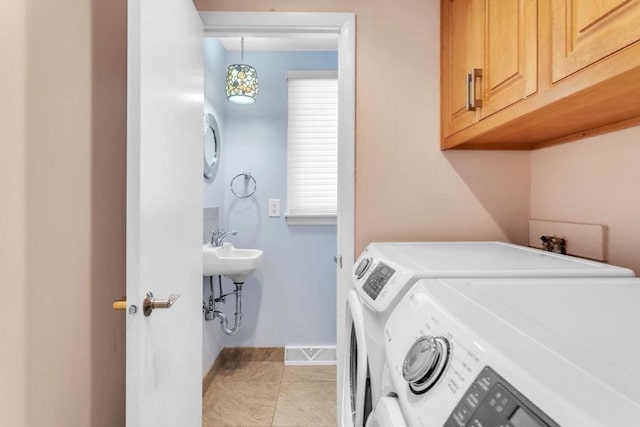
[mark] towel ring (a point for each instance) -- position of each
(247, 177)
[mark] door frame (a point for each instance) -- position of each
(300, 24)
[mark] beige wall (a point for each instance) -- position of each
(406, 188)
(595, 180)
(12, 216)
(66, 195)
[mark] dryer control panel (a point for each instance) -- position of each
(379, 281)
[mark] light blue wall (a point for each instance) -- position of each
(214, 103)
(291, 299)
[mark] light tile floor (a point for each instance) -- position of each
(261, 394)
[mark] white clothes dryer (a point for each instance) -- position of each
(517, 352)
(385, 271)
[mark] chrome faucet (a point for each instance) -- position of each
(218, 236)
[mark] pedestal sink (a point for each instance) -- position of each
(229, 261)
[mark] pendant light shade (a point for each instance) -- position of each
(242, 82)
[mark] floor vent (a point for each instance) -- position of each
(321, 355)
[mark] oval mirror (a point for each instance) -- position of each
(211, 146)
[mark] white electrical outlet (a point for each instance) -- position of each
(274, 207)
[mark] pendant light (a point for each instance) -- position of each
(242, 81)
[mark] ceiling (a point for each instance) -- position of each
(311, 42)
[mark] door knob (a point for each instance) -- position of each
(150, 303)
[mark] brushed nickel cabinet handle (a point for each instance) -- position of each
(472, 102)
(467, 87)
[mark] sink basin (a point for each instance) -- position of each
(229, 261)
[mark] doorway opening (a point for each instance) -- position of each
(305, 28)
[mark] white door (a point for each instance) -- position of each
(346, 184)
(164, 213)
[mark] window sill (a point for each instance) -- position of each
(319, 219)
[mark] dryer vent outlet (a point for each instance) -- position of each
(321, 355)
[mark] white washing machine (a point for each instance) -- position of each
(385, 271)
(517, 353)
(387, 414)
(356, 392)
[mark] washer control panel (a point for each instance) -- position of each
(492, 401)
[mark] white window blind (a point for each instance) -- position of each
(312, 140)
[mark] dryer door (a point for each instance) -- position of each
(354, 382)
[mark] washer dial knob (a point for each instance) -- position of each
(425, 362)
(362, 267)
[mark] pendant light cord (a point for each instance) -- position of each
(242, 50)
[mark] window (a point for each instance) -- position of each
(312, 153)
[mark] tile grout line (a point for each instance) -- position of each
(275, 408)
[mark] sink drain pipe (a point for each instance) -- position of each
(224, 321)
(213, 313)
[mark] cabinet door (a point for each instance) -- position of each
(463, 50)
(511, 55)
(584, 32)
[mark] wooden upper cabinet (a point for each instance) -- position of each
(463, 28)
(489, 58)
(511, 67)
(587, 31)
(545, 71)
